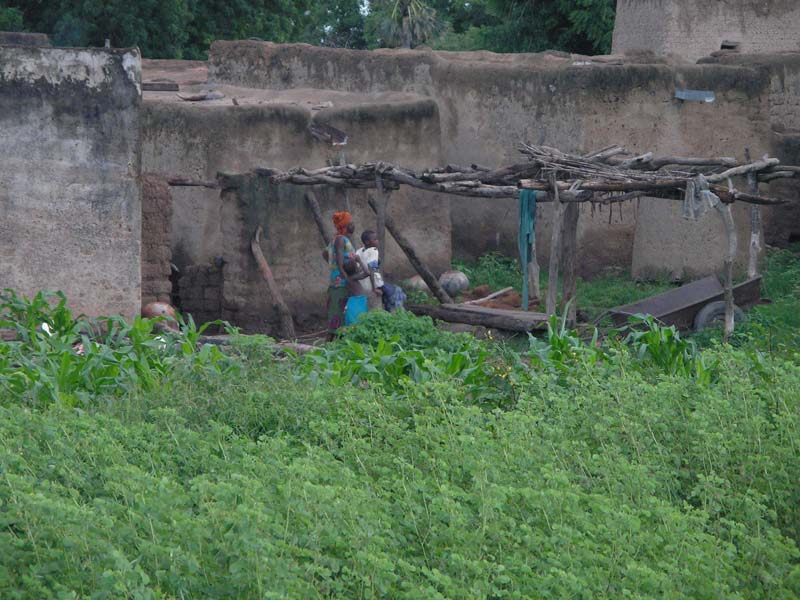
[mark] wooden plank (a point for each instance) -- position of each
(497, 294)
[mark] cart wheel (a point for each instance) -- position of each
(713, 314)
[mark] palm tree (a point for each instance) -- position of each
(410, 22)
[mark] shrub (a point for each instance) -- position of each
(407, 330)
(58, 358)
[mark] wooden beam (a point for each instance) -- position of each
(492, 296)
(730, 255)
(313, 205)
(424, 272)
(569, 259)
(285, 315)
(555, 250)
(186, 182)
(382, 201)
(755, 226)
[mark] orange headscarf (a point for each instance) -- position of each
(341, 220)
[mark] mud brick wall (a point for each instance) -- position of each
(156, 240)
(201, 292)
(692, 29)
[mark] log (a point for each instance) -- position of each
(313, 205)
(186, 182)
(492, 296)
(655, 164)
(555, 248)
(285, 315)
(569, 258)
(759, 165)
(413, 258)
(730, 233)
(507, 320)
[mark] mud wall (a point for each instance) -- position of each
(782, 223)
(489, 103)
(156, 240)
(70, 211)
(211, 231)
(693, 29)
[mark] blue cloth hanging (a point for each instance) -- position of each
(526, 237)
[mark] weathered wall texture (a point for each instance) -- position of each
(70, 210)
(199, 141)
(489, 103)
(781, 224)
(694, 29)
(156, 240)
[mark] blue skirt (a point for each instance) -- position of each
(356, 305)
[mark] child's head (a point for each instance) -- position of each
(369, 238)
(350, 267)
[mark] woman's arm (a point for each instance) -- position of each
(338, 245)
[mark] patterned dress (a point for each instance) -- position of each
(337, 290)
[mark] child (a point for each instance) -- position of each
(391, 295)
(357, 301)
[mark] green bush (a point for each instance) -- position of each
(58, 358)
(608, 487)
(407, 330)
(375, 468)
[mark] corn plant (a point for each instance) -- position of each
(56, 357)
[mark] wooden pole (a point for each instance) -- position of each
(730, 255)
(285, 315)
(413, 258)
(382, 201)
(555, 248)
(755, 225)
(569, 258)
(534, 286)
(313, 204)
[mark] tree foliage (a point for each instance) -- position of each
(186, 28)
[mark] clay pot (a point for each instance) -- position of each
(416, 283)
(454, 282)
(164, 310)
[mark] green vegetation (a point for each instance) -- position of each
(401, 462)
(186, 28)
(594, 296)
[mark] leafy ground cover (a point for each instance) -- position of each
(403, 462)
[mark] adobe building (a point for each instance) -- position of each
(88, 145)
(693, 29)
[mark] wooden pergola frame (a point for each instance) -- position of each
(606, 176)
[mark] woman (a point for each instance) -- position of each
(339, 250)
